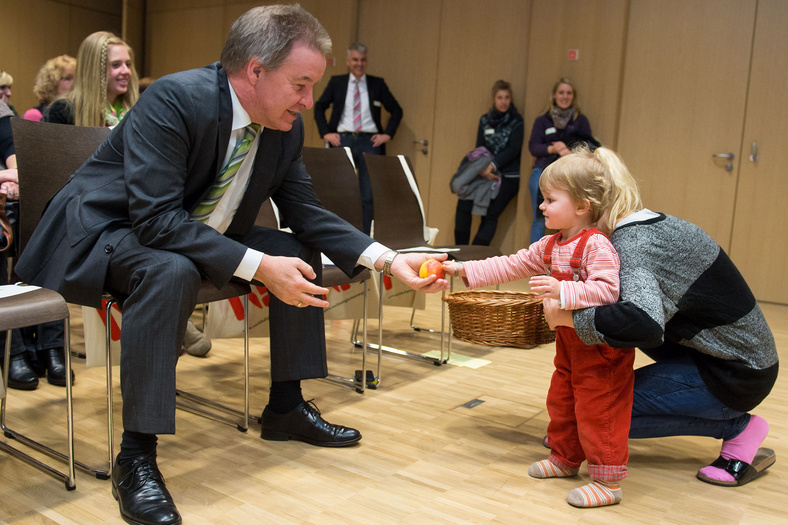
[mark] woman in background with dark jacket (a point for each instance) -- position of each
(501, 131)
(552, 137)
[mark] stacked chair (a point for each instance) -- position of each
(399, 223)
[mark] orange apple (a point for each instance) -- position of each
(431, 267)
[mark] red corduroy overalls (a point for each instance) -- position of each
(590, 396)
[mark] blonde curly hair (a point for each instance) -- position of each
(49, 76)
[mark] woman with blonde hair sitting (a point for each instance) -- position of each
(104, 87)
(52, 81)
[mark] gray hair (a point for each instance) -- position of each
(268, 33)
(357, 46)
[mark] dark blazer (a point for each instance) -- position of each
(335, 94)
(153, 170)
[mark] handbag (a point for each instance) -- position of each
(7, 240)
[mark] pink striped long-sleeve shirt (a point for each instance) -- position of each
(599, 266)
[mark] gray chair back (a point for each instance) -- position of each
(46, 156)
(335, 182)
(398, 220)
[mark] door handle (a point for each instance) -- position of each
(424, 143)
(754, 155)
(729, 156)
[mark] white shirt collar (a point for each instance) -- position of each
(362, 80)
(241, 118)
(639, 216)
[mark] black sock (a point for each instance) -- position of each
(285, 396)
(135, 444)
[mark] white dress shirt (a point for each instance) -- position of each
(223, 214)
(346, 122)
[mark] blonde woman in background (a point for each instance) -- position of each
(53, 80)
(6, 81)
(104, 87)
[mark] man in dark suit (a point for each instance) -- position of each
(132, 221)
(355, 117)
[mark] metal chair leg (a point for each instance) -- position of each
(420, 328)
(211, 409)
(397, 351)
(68, 479)
(110, 399)
(360, 380)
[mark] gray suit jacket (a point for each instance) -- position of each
(153, 170)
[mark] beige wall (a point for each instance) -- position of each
(438, 56)
(184, 34)
(36, 30)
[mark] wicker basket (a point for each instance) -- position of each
(492, 317)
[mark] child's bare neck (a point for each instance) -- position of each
(569, 233)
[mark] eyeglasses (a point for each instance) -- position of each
(4, 88)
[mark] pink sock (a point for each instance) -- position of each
(743, 447)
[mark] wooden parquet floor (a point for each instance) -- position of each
(424, 457)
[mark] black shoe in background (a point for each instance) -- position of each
(20, 374)
(54, 362)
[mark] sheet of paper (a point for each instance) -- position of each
(428, 249)
(10, 290)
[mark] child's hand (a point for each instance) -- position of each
(453, 268)
(546, 285)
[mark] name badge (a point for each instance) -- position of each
(549, 131)
(489, 131)
(376, 103)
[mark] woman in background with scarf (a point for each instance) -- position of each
(501, 131)
(552, 137)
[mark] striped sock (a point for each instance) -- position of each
(595, 494)
(546, 469)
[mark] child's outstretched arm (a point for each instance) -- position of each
(497, 270)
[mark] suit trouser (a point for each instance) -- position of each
(509, 188)
(158, 290)
(590, 406)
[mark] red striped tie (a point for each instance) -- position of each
(356, 107)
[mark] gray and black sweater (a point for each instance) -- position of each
(680, 292)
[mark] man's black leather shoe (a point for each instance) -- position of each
(54, 362)
(20, 375)
(304, 423)
(142, 496)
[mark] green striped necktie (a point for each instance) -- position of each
(203, 210)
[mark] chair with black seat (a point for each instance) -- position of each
(47, 154)
(22, 306)
(399, 223)
(336, 184)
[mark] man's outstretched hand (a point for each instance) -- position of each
(406, 268)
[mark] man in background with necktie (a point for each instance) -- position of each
(355, 117)
(171, 198)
